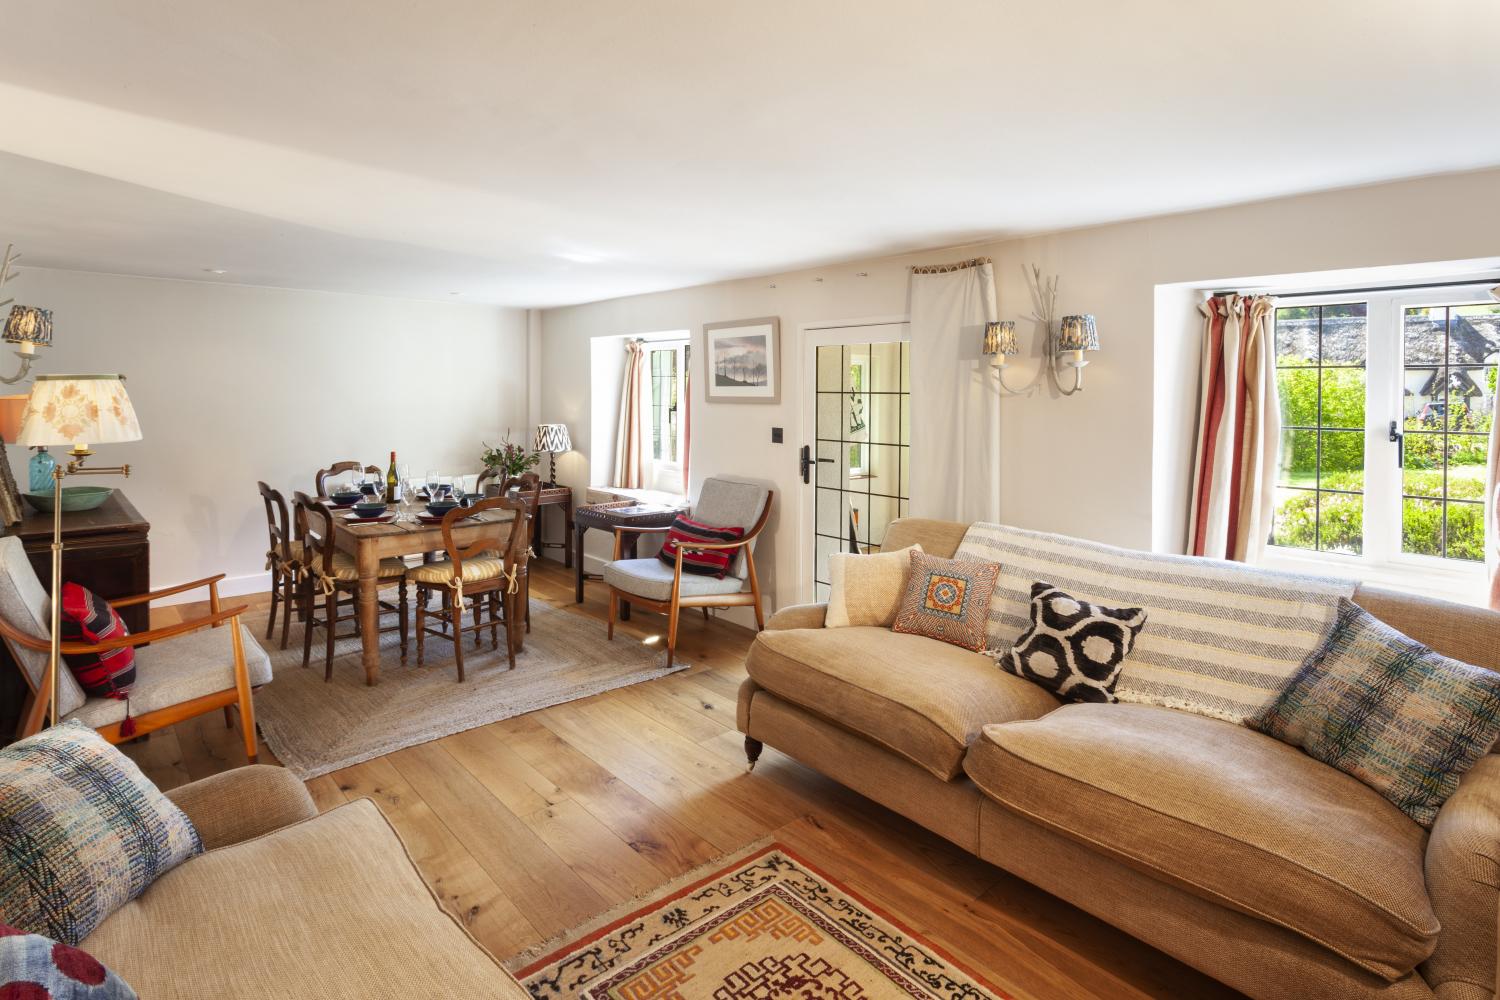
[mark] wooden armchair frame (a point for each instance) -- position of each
(38, 698)
(672, 607)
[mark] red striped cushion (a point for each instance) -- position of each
(86, 617)
(714, 562)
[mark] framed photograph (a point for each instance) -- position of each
(742, 361)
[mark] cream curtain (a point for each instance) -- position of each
(955, 413)
(632, 462)
(1239, 431)
(1492, 507)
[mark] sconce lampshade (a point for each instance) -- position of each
(28, 326)
(78, 410)
(1000, 338)
(552, 438)
(1078, 333)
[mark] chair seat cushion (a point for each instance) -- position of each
(173, 671)
(475, 570)
(1228, 814)
(346, 570)
(650, 579)
(920, 698)
(330, 908)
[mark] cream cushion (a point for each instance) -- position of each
(651, 579)
(474, 571)
(346, 570)
(330, 908)
(867, 590)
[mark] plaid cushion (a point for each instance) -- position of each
(947, 599)
(82, 832)
(1384, 708)
(33, 966)
(714, 562)
(87, 617)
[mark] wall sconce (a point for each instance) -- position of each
(1075, 335)
(26, 326)
(1000, 344)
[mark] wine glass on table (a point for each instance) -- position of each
(432, 485)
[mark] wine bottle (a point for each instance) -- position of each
(391, 480)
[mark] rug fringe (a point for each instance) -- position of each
(619, 910)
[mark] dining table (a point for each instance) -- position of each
(404, 535)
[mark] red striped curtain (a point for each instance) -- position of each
(1239, 431)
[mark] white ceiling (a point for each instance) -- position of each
(544, 153)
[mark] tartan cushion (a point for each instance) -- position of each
(87, 617)
(82, 832)
(947, 599)
(1382, 707)
(33, 967)
(714, 562)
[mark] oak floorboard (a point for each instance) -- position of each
(528, 826)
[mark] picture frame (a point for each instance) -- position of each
(742, 361)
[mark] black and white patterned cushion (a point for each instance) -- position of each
(1073, 648)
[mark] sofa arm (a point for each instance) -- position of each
(243, 803)
(1463, 883)
(799, 616)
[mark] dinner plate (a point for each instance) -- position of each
(356, 519)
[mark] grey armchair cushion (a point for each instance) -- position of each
(726, 502)
(25, 606)
(174, 671)
(652, 579)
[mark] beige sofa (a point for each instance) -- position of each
(285, 903)
(1240, 855)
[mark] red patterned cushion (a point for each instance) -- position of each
(33, 967)
(87, 617)
(714, 562)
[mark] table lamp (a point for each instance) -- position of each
(77, 410)
(552, 438)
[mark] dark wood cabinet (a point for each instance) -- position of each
(106, 549)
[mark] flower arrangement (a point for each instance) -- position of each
(508, 458)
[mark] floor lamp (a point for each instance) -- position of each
(77, 410)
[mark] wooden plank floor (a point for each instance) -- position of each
(530, 826)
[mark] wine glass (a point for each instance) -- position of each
(432, 485)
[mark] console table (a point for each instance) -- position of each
(608, 516)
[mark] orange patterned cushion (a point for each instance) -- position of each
(947, 599)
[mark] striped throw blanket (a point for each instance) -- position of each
(1221, 638)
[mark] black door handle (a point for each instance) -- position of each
(1399, 440)
(806, 462)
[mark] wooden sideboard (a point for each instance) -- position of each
(107, 550)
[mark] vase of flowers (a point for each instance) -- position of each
(509, 459)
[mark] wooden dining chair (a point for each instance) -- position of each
(283, 560)
(656, 586)
(528, 487)
(320, 481)
(182, 670)
(485, 573)
(335, 575)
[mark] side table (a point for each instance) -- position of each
(608, 516)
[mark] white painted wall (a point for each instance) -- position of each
(235, 384)
(1081, 465)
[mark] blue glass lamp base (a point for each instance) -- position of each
(39, 471)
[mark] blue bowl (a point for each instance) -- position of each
(369, 508)
(440, 507)
(344, 498)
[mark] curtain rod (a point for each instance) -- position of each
(1373, 288)
(945, 268)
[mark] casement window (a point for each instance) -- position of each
(1387, 400)
(669, 361)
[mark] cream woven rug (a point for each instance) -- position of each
(314, 728)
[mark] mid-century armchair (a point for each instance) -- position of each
(189, 668)
(652, 584)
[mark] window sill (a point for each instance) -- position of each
(1459, 584)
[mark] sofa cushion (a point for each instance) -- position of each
(331, 908)
(1228, 814)
(923, 699)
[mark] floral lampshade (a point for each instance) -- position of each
(30, 327)
(1078, 333)
(79, 410)
(552, 438)
(1000, 338)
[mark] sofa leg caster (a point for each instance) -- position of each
(753, 747)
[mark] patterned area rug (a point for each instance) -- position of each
(766, 925)
(315, 727)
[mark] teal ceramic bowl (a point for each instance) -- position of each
(74, 498)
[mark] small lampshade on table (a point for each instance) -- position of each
(77, 410)
(552, 438)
